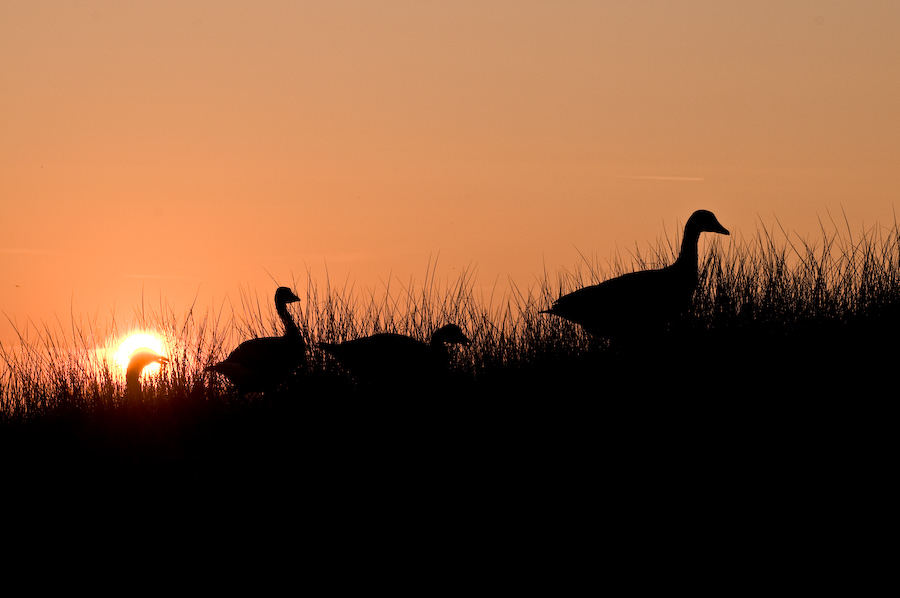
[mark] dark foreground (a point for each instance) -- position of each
(704, 471)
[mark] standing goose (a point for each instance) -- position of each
(641, 301)
(389, 356)
(260, 364)
(136, 364)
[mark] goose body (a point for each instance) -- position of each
(388, 355)
(260, 364)
(642, 301)
(136, 364)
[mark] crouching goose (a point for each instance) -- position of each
(388, 356)
(261, 364)
(643, 301)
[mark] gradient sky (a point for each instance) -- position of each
(182, 149)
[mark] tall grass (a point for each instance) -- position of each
(759, 299)
(836, 279)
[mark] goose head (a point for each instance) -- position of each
(703, 221)
(450, 334)
(141, 359)
(284, 295)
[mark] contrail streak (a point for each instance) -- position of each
(648, 177)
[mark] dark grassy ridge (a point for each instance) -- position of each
(788, 356)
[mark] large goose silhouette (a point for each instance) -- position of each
(388, 356)
(645, 301)
(261, 364)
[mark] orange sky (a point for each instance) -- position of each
(192, 148)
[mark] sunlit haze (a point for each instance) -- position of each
(185, 150)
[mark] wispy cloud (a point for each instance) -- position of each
(650, 177)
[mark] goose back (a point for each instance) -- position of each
(390, 356)
(634, 302)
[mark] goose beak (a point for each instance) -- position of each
(718, 228)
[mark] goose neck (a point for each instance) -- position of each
(133, 382)
(133, 379)
(290, 327)
(688, 254)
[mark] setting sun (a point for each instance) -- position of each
(138, 341)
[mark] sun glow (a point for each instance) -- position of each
(139, 340)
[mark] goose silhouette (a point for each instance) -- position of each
(390, 356)
(261, 364)
(641, 302)
(140, 359)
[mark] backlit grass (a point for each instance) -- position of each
(776, 318)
